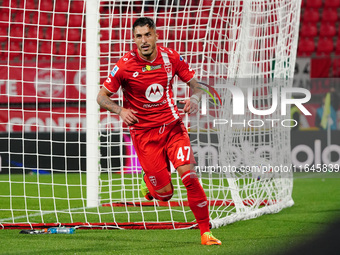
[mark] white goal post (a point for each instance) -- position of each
(66, 162)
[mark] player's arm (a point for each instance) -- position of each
(127, 115)
(191, 105)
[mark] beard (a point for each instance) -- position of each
(149, 53)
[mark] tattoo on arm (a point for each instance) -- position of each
(106, 103)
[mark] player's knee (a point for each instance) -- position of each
(166, 196)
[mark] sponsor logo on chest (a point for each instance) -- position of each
(154, 92)
(151, 68)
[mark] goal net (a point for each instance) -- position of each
(63, 161)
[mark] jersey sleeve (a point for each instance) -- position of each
(183, 70)
(115, 79)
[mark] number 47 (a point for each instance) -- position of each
(180, 154)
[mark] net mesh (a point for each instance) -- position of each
(43, 114)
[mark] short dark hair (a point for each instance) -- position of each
(144, 21)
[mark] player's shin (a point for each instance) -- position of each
(197, 200)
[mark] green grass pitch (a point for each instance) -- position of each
(316, 205)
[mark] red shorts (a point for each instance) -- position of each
(156, 147)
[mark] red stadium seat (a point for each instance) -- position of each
(30, 4)
(59, 19)
(177, 46)
(306, 47)
(76, 48)
(128, 47)
(115, 22)
(62, 5)
(77, 6)
(45, 48)
(5, 3)
(325, 46)
(14, 49)
(104, 35)
(56, 35)
(195, 47)
(313, 3)
(30, 46)
(181, 35)
(115, 47)
(45, 6)
(164, 20)
(31, 32)
(182, 19)
(3, 34)
(27, 19)
(126, 34)
(115, 35)
(55, 48)
(76, 20)
(332, 4)
(104, 21)
(327, 30)
(337, 47)
(4, 50)
(201, 18)
(17, 16)
(207, 3)
(17, 32)
(4, 15)
(308, 30)
(104, 48)
(67, 50)
(329, 15)
(126, 22)
(44, 19)
(311, 15)
(71, 49)
(30, 49)
(13, 53)
(31, 17)
(17, 4)
(73, 34)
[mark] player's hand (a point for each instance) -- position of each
(128, 116)
(191, 106)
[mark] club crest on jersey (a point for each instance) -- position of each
(168, 68)
(154, 92)
(114, 70)
(153, 180)
(151, 68)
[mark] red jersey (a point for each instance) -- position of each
(147, 85)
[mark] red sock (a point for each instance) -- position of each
(197, 200)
